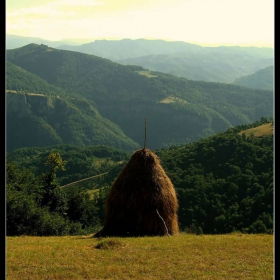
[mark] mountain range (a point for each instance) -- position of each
(262, 79)
(212, 64)
(57, 96)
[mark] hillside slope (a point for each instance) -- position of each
(211, 66)
(40, 114)
(261, 79)
(177, 110)
(225, 182)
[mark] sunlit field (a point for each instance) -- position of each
(184, 256)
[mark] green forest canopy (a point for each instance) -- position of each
(224, 183)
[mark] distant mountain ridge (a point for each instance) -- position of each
(212, 64)
(94, 89)
(128, 48)
(262, 79)
(15, 41)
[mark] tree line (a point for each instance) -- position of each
(224, 183)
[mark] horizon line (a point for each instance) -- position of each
(204, 44)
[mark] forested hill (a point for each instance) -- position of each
(224, 183)
(81, 162)
(182, 59)
(128, 48)
(262, 79)
(18, 79)
(177, 110)
(212, 66)
(40, 114)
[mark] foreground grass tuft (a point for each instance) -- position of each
(109, 244)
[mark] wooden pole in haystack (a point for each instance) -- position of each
(142, 200)
(145, 134)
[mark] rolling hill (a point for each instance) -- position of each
(15, 41)
(212, 64)
(40, 114)
(120, 97)
(262, 79)
(224, 182)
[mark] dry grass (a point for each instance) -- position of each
(259, 131)
(92, 193)
(171, 99)
(147, 74)
(180, 257)
(11, 91)
(29, 93)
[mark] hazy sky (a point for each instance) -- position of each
(212, 22)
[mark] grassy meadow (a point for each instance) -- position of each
(259, 131)
(179, 257)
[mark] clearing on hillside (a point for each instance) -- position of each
(259, 131)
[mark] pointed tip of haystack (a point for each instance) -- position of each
(145, 155)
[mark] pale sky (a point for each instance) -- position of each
(204, 22)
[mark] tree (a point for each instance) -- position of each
(22, 194)
(82, 209)
(53, 197)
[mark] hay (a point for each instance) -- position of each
(142, 200)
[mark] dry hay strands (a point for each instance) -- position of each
(142, 200)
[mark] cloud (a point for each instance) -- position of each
(48, 19)
(86, 3)
(185, 20)
(60, 7)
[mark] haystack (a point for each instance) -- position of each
(142, 200)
